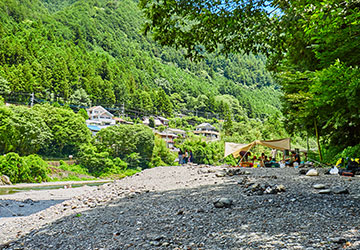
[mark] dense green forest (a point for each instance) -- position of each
(91, 52)
(312, 48)
(80, 53)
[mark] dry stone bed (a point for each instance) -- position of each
(173, 208)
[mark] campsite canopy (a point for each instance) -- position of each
(235, 149)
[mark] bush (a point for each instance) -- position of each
(123, 141)
(162, 155)
(351, 152)
(100, 163)
(24, 169)
(203, 152)
(73, 168)
(38, 168)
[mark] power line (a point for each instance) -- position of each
(121, 107)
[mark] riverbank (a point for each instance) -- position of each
(172, 208)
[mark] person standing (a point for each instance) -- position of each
(191, 156)
(180, 155)
(186, 157)
(273, 154)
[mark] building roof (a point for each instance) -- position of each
(101, 108)
(206, 125)
(118, 119)
(164, 134)
(203, 125)
(93, 128)
(206, 132)
(157, 121)
(162, 118)
(176, 131)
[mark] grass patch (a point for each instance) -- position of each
(123, 174)
(73, 178)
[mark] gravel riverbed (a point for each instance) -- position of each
(173, 208)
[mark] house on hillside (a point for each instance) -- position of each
(156, 120)
(163, 120)
(167, 137)
(207, 130)
(178, 132)
(100, 117)
(119, 120)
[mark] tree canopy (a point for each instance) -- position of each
(312, 47)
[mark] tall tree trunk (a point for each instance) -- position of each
(318, 141)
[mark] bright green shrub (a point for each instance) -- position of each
(161, 154)
(99, 163)
(351, 152)
(38, 169)
(24, 169)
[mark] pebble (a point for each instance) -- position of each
(319, 186)
(340, 190)
(325, 191)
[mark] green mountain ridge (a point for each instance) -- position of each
(59, 47)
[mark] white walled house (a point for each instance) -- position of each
(207, 130)
(100, 117)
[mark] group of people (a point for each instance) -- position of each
(270, 161)
(185, 157)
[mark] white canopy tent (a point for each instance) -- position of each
(235, 149)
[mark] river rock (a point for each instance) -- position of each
(340, 190)
(4, 179)
(220, 174)
(302, 172)
(338, 240)
(319, 186)
(325, 191)
(280, 188)
(312, 172)
(223, 202)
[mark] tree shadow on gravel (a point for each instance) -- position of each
(14, 208)
(187, 219)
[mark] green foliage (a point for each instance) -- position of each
(38, 168)
(124, 141)
(102, 165)
(80, 98)
(161, 154)
(83, 113)
(24, 169)
(312, 45)
(151, 122)
(4, 87)
(42, 129)
(73, 168)
(68, 130)
(228, 122)
(22, 130)
(81, 51)
(351, 152)
(203, 152)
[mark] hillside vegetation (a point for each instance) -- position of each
(59, 49)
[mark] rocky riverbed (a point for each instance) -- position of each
(180, 208)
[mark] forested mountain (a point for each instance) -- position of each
(58, 48)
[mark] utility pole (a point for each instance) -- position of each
(32, 99)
